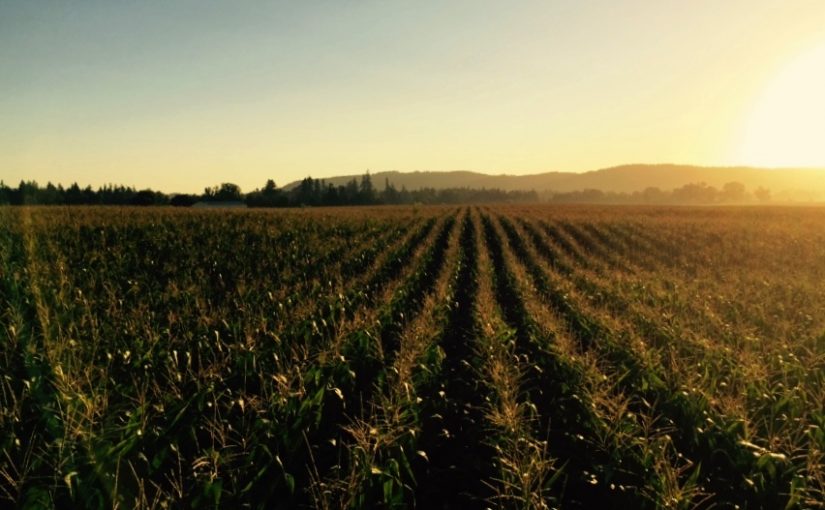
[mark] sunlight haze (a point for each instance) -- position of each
(181, 95)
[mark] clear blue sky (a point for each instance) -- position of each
(182, 95)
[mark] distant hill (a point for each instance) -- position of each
(797, 182)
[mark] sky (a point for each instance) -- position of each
(180, 95)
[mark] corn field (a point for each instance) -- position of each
(413, 357)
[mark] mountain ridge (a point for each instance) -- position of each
(620, 179)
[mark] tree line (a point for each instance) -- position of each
(689, 194)
(309, 192)
(317, 192)
(30, 193)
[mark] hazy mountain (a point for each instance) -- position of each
(626, 178)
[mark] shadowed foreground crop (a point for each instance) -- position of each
(518, 357)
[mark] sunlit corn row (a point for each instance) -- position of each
(773, 409)
(518, 357)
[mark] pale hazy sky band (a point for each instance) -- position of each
(181, 95)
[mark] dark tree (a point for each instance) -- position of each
(183, 200)
(228, 192)
(733, 193)
(366, 193)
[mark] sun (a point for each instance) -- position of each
(786, 128)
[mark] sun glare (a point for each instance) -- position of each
(787, 125)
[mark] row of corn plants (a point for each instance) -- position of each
(776, 412)
(773, 472)
(711, 445)
(381, 455)
(600, 445)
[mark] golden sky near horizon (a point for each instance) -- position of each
(182, 95)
